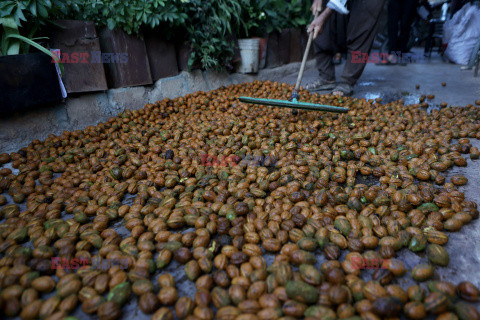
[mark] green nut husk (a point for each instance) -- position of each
(19, 235)
(428, 207)
(308, 244)
(320, 312)
(164, 258)
(220, 297)
(310, 274)
(172, 245)
(343, 225)
(438, 255)
(422, 272)
(465, 311)
(120, 294)
(301, 292)
(418, 243)
(116, 173)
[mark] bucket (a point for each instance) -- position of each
(249, 51)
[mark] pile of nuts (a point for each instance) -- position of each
(296, 188)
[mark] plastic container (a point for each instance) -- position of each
(249, 52)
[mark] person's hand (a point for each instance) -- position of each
(316, 6)
(319, 22)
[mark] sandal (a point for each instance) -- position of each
(320, 84)
(343, 89)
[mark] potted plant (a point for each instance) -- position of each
(210, 44)
(263, 20)
(252, 40)
(27, 79)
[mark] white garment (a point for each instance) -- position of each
(338, 5)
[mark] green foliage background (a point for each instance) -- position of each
(209, 26)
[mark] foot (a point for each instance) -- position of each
(320, 84)
(343, 89)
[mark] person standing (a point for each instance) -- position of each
(400, 18)
(359, 20)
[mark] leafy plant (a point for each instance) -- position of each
(131, 16)
(207, 25)
(261, 17)
(209, 32)
(36, 12)
(299, 14)
(27, 16)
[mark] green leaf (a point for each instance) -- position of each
(10, 47)
(39, 47)
(6, 9)
(110, 23)
(43, 12)
(33, 8)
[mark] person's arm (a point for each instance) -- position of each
(316, 6)
(317, 24)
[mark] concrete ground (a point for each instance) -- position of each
(389, 83)
(398, 82)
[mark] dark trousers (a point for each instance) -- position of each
(400, 17)
(352, 32)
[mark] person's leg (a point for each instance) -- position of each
(325, 48)
(341, 38)
(408, 13)
(394, 7)
(361, 31)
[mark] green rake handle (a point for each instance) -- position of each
(293, 104)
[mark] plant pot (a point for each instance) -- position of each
(249, 51)
(26, 81)
(262, 52)
(161, 55)
(78, 43)
(132, 67)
